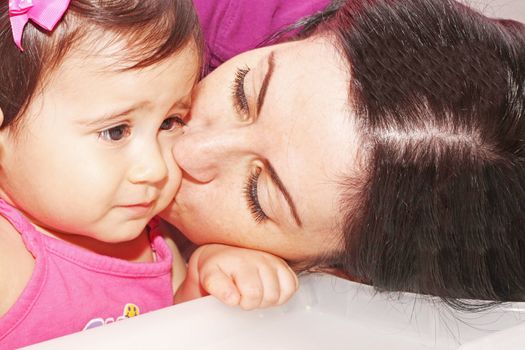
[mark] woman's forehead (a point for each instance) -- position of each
(316, 140)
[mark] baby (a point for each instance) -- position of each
(92, 95)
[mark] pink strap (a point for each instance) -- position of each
(23, 226)
(45, 13)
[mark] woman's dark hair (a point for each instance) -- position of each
(438, 205)
(150, 30)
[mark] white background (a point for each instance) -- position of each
(514, 9)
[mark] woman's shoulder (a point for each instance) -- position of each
(16, 265)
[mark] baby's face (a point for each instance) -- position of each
(94, 153)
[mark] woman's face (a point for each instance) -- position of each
(266, 151)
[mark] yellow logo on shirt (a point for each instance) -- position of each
(130, 310)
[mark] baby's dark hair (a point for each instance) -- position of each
(150, 30)
(438, 203)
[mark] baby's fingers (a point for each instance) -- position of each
(288, 282)
(279, 284)
(251, 289)
(214, 281)
(271, 287)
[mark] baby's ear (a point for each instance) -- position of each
(1, 117)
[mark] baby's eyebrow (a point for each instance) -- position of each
(112, 115)
(185, 102)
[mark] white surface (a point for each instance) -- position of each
(512, 9)
(326, 313)
(510, 339)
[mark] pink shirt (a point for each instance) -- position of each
(72, 289)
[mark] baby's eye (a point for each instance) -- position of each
(172, 122)
(115, 133)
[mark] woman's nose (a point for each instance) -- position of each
(202, 151)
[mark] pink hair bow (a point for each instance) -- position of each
(45, 13)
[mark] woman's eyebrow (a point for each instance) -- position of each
(273, 174)
(280, 185)
(266, 81)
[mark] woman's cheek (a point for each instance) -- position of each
(174, 179)
(173, 183)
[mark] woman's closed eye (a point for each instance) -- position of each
(240, 102)
(252, 197)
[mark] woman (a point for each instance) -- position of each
(389, 144)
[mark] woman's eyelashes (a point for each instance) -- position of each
(240, 102)
(252, 197)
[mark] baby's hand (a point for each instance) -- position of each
(236, 276)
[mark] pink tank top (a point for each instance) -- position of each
(72, 289)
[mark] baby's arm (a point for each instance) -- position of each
(236, 276)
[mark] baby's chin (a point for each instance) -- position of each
(170, 213)
(127, 232)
